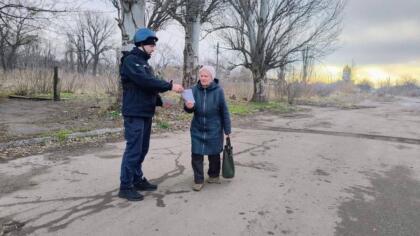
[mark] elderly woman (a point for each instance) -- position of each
(211, 119)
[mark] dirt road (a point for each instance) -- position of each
(322, 171)
(23, 119)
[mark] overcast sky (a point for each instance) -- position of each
(379, 32)
(383, 33)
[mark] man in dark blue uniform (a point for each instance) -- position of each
(140, 97)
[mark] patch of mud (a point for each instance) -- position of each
(159, 196)
(10, 227)
(266, 166)
(337, 133)
(296, 115)
(342, 105)
(321, 172)
(402, 147)
(110, 156)
(256, 148)
(10, 184)
(320, 124)
(394, 210)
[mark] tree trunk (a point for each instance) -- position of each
(11, 59)
(95, 65)
(260, 87)
(132, 16)
(192, 33)
(3, 62)
(71, 61)
(281, 83)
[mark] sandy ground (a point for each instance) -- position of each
(323, 171)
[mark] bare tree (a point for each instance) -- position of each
(34, 8)
(69, 54)
(133, 14)
(157, 14)
(38, 54)
(191, 14)
(89, 40)
(99, 31)
(307, 65)
(163, 57)
(15, 32)
(78, 37)
(269, 34)
(20, 25)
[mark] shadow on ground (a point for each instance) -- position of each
(69, 209)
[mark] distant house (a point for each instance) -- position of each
(347, 74)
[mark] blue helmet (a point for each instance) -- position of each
(144, 34)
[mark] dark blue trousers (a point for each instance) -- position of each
(137, 135)
(198, 167)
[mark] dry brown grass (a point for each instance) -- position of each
(26, 82)
(39, 81)
(238, 90)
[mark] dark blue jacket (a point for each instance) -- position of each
(140, 86)
(211, 118)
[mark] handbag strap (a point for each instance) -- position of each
(228, 141)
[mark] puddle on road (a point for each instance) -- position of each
(390, 207)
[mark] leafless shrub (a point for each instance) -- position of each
(365, 85)
(407, 86)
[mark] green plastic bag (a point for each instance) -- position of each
(228, 166)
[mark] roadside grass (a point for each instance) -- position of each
(62, 135)
(249, 108)
(115, 115)
(4, 94)
(162, 124)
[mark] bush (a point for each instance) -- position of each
(365, 86)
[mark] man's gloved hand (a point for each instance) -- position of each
(177, 88)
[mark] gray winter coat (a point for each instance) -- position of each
(211, 118)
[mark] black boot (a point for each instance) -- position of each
(145, 185)
(130, 194)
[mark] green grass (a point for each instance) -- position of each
(4, 94)
(62, 135)
(63, 95)
(163, 124)
(115, 114)
(247, 108)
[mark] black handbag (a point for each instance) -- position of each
(228, 166)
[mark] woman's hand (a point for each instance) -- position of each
(189, 105)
